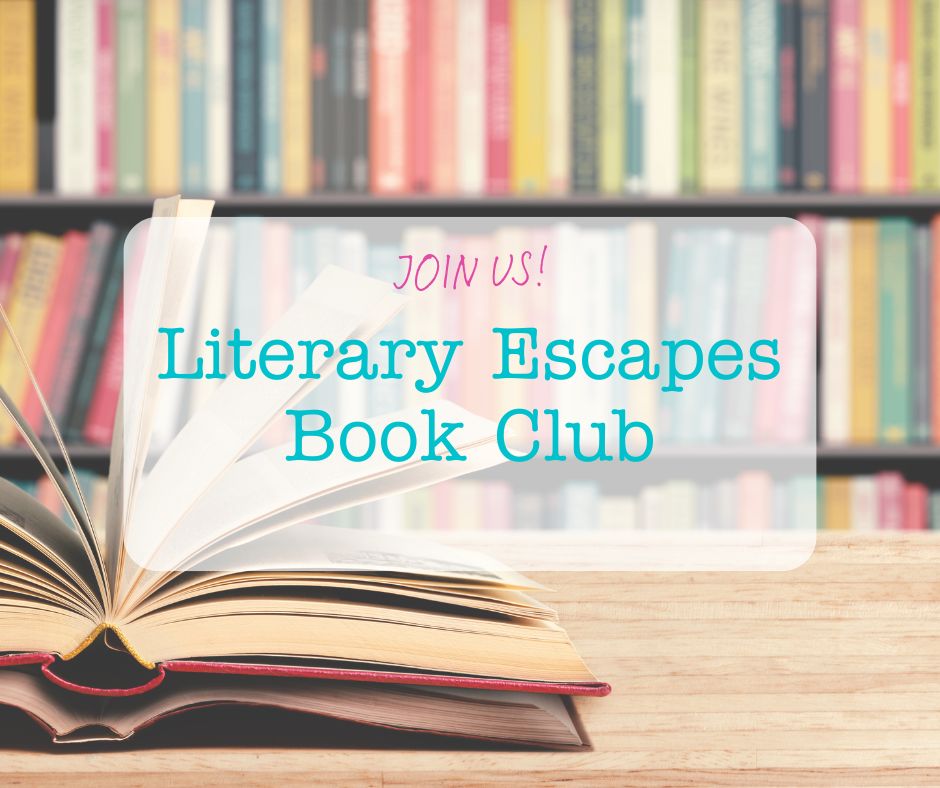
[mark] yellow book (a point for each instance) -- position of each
(29, 299)
(610, 79)
(837, 503)
(164, 99)
(863, 309)
(720, 96)
(877, 143)
(295, 97)
(17, 96)
(528, 155)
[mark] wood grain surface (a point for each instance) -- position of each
(827, 675)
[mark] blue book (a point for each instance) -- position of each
(635, 20)
(194, 96)
(246, 19)
(759, 58)
(271, 96)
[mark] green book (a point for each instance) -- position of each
(688, 96)
(130, 130)
(895, 265)
(925, 94)
(934, 513)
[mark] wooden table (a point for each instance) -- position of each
(828, 675)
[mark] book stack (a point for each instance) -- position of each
(881, 502)
(880, 331)
(476, 97)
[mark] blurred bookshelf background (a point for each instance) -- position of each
(825, 111)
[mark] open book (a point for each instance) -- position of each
(213, 581)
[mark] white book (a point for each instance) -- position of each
(661, 132)
(863, 503)
(75, 159)
(836, 332)
(558, 75)
(471, 83)
(218, 97)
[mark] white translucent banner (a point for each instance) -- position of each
(557, 393)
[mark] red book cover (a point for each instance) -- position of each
(844, 95)
(419, 97)
(99, 421)
(498, 99)
(890, 501)
(390, 32)
(915, 507)
(901, 95)
(444, 97)
(58, 322)
(12, 242)
(104, 95)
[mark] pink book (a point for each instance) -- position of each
(845, 70)
(915, 507)
(769, 393)
(444, 88)
(755, 501)
(890, 500)
(104, 96)
(498, 97)
(99, 422)
(12, 242)
(388, 127)
(420, 67)
(901, 95)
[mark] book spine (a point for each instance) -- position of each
(99, 421)
(32, 292)
(688, 96)
(926, 94)
(56, 325)
(837, 515)
(814, 95)
(338, 147)
(788, 62)
(935, 510)
(75, 153)
(359, 97)
(443, 96)
(894, 261)
(18, 131)
(661, 135)
(915, 507)
(320, 98)
(390, 32)
(130, 129)
(471, 79)
(270, 97)
(935, 328)
(100, 240)
(920, 353)
(721, 96)
(419, 68)
(865, 332)
(193, 45)
(246, 23)
(100, 328)
(611, 72)
(9, 257)
(901, 95)
(163, 92)
(218, 97)
(104, 96)
(836, 331)
(864, 503)
(635, 105)
(558, 131)
(295, 73)
(584, 96)
(498, 96)
(845, 72)
(759, 27)
(876, 141)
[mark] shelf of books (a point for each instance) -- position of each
(824, 111)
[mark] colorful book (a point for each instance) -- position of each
(321, 103)
(661, 135)
(814, 95)
(498, 96)
(836, 327)
(219, 97)
(788, 72)
(901, 95)
(471, 113)
(935, 329)
(865, 332)
(611, 72)
(164, 100)
(359, 97)
(921, 314)
(130, 130)
(389, 32)
(584, 96)
(759, 40)
(194, 138)
(895, 261)
(18, 130)
(75, 153)
(637, 44)
(295, 93)
(418, 109)
(720, 103)
(528, 156)
(844, 100)
(269, 124)
(104, 95)
(558, 75)
(246, 90)
(925, 96)
(337, 146)
(688, 95)
(877, 144)
(444, 95)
